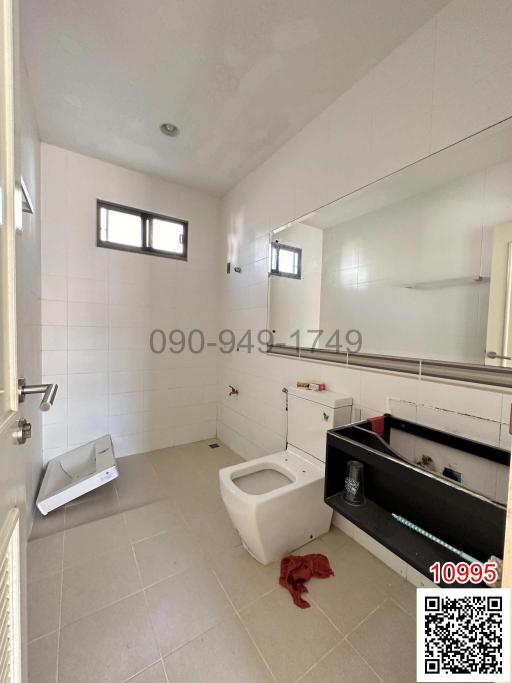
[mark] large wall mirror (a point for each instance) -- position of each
(414, 269)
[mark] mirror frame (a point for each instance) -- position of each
(422, 367)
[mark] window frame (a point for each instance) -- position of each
(146, 231)
(276, 244)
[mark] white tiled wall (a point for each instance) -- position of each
(99, 307)
(450, 79)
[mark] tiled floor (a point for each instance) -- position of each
(164, 592)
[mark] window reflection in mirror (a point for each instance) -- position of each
(418, 263)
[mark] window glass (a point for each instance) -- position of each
(286, 260)
(122, 227)
(274, 257)
(135, 230)
(167, 236)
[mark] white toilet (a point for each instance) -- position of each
(276, 502)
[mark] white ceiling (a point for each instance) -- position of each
(239, 77)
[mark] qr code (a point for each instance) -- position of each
(463, 634)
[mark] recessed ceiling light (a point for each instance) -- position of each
(170, 129)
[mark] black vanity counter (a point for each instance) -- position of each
(466, 520)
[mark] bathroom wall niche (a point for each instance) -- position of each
(412, 271)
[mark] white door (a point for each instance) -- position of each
(10, 584)
(498, 350)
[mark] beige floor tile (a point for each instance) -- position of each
(198, 497)
(185, 606)
(43, 606)
(92, 509)
(90, 586)
(224, 654)
(149, 520)
(367, 567)
(387, 640)
(44, 556)
(108, 490)
(405, 595)
(214, 531)
(168, 460)
(167, 554)
(42, 659)
(291, 639)
(154, 674)
(214, 459)
(316, 546)
(243, 578)
(44, 525)
(177, 477)
(138, 483)
(342, 665)
(108, 646)
(133, 467)
(348, 596)
(94, 539)
(335, 538)
(134, 491)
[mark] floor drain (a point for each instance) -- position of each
(214, 445)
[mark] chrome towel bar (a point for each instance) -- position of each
(49, 392)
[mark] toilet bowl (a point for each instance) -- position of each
(276, 502)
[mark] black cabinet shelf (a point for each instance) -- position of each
(418, 551)
(467, 521)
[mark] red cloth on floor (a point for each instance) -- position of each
(297, 569)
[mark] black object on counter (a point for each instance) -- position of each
(353, 491)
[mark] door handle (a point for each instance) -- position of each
(493, 354)
(23, 431)
(49, 392)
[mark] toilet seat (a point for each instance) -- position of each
(291, 463)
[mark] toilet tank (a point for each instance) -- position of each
(311, 414)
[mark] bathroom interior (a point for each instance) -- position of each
(255, 299)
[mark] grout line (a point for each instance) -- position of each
(197, 637)
(249, 604)
(364, 659)
(148, 612)
(313, 602)
(166, 578)
(395, 601)
(60, 602)
(146, 668)
(365, 618)
(50, 633)
(148, 538)
(103, 607)
(237, 613)
(324, 656)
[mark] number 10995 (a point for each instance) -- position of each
(464, 572)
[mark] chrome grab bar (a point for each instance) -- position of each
(49, 392)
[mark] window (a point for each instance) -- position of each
(120, 227)
(286, 261)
